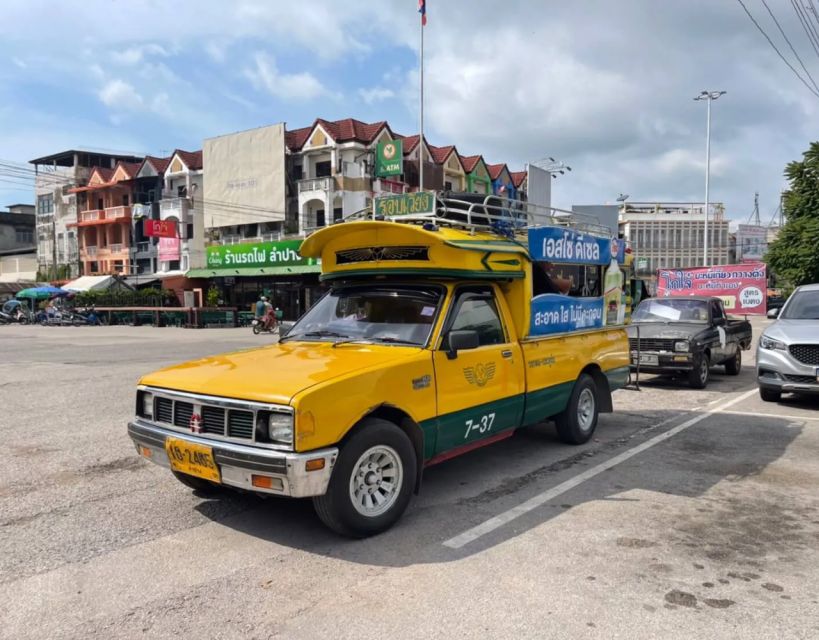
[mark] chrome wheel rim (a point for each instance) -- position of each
(376, 481)
(585, 409)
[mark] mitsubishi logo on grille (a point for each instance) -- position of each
(195, 423)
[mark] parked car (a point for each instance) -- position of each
(787, 356)
(686, 335)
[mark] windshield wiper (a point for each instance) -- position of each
(385, 340)
(322, 333)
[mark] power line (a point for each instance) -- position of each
(782, 31)
(762, 31)
(807, 25)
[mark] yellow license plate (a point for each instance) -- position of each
(193, 459)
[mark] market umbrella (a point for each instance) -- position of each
(41, 293)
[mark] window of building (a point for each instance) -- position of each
(24, 236)
(181, 191)
(337, 214)
(189, 231)
(447, 185)
(324, 169)
(45, 203)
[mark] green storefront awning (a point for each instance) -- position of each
(255, 272)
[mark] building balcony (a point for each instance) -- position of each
(145, 250)
(92, 215)
(174, 208)
(89, 252)
(313, 185)
(382, 186)
(116, 213)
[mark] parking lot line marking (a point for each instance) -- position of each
(470, 535)
(770, 415)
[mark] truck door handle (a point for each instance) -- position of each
(506, 353)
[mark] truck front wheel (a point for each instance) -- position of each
(372, 481)
(698, 376)
(576, 424)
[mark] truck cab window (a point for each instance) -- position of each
(476, 310)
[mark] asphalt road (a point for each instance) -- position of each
(692, 514)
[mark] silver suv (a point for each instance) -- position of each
(787, 355)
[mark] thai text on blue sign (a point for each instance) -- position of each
(554, 313)
(561, 245)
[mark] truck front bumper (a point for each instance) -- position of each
(662, 362)
(238, 464)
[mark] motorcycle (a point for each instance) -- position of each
(259, 326)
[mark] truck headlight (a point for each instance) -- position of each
(147, 405)
(280, 428)
(768, 343)
(681, 346)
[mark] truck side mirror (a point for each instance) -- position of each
(459, 340)
(773, 313)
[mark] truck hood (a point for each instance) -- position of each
(671, 330)
(275, 373)
(794, 331)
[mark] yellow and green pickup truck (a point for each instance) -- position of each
(435, 337)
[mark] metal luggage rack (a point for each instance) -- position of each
(495, 215)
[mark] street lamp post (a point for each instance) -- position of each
(709, 96)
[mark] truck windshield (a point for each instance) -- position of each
(803, 305)
(386, 314)
(671, 310)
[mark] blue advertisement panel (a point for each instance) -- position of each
(554, 313)
(561, 245)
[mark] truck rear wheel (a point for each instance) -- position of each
(698, 376)
(372, 481)
(734, 365)
(577, 422)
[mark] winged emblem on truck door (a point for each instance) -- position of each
(480, 374)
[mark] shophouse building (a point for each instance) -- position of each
(454, 175)
(18, 249)
(182, 203)
(477, 175)
(150, 185)
(56, 206)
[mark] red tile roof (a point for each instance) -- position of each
(295, 139)
(440, 154)
(104, 173)
(496, 169)
(469, 162)
(159, 164)
(192, 159)
(518, 177)
(410, 142)
(130, 168)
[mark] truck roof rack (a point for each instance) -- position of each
(494, 214)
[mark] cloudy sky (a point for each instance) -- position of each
(605, 86)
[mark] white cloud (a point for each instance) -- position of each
(376, 94)
(298, 86)
(217, 51)
(135, 54)
(118, 94)
(18, 62)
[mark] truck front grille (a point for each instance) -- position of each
(218, 419)
(801, 379)
(805, 353)
(652, 344)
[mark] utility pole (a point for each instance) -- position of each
(709, 96)
(755, 215)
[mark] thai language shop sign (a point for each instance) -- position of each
(561, 245)
(389, 158)
(419, 203)
(284, 253)
(555, 313)
(742, 287)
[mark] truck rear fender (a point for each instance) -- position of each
(603, 390)
(402, 420)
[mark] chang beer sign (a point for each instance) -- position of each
(284, 253)
(406, 204)
(389, 158)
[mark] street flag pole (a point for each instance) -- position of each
(422, 9)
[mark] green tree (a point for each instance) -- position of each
(794, 255)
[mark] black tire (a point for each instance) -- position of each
(337, 508)
(734, 365)
(199, 485)
(577, 422)
(256, 330)
(770, 395)
(698, 376)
